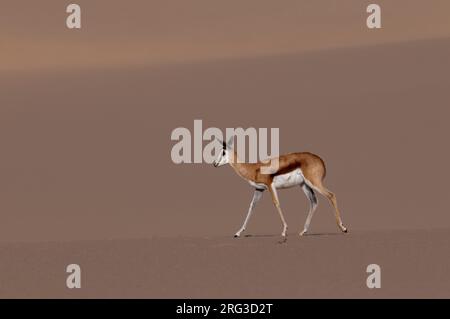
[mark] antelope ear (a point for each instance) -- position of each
(230, 142)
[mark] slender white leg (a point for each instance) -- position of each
(309, 192)
(256, 197)
(276, 202)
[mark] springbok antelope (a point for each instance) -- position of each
(304, 169)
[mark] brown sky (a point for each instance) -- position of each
(123, 33)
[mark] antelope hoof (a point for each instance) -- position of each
(344, 229)
(303, 233)
(238, 234)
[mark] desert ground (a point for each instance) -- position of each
(86, 174)
(414, 264)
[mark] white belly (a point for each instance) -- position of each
(259, 186)
(289, 179)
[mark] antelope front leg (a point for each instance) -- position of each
(256, 197)
(276, 202)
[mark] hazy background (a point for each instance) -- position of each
(121, 34)
(86, 115)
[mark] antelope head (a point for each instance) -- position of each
(225, 155)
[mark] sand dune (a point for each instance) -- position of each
(117, 33)
(86, 155)
(86, 175)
